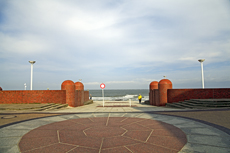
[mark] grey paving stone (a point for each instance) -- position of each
(161, 117)
(22, 126)
(47, 120)
(199, 148)
(204, 131)
(147, 116)
(117, 114)
(9, 149)
(69, 117)
(209, 140)
(101, 114)
(9, 141)
(53, 119)
(12, 133)
(87, 115)
(178, 121)
(186, 124)
(132, 114)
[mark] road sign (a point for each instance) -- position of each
(102, 86)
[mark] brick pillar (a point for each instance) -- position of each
(68, 85)
(153, 85)
(156, 97)
(163, 86)
(79, 86)
(86, 96)
(79, 97)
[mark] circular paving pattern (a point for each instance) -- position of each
(104, 135)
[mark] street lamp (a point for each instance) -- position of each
(25, 86)
(202, 72)
(31, 80)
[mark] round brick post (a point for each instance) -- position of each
(68, 85)
(163, 86)
(79, 99)
(153, 85)
(79, 86)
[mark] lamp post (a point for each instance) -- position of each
(31, 80)
(25, 86)
(202, 72)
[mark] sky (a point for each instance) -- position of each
(125, 44)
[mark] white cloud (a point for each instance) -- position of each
(21, 45)
(115, 40)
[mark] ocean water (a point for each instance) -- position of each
(119, 95)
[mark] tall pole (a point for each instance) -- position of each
(31, 78)
(103, 97)
(202, 71)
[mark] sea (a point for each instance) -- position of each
(119, 94)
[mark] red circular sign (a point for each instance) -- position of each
(102, 86)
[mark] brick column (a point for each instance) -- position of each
(68, 85)
(163, 86)
(156, 97)
(79, 97)
(153, 85)
(79, 93)
(79, 86)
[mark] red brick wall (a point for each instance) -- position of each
(78, 97)
(86, 96)
(33, 96)
(176, 95)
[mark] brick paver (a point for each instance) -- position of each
(103, 134)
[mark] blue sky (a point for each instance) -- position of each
(125, 44)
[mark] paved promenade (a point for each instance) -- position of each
(115, 128)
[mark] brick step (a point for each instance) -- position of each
(207, 101)
(201, 104)
(53, 106)
(206, 104)
(23, 106)
(88, 102)
(174, 106)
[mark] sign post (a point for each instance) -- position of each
(102, 87)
